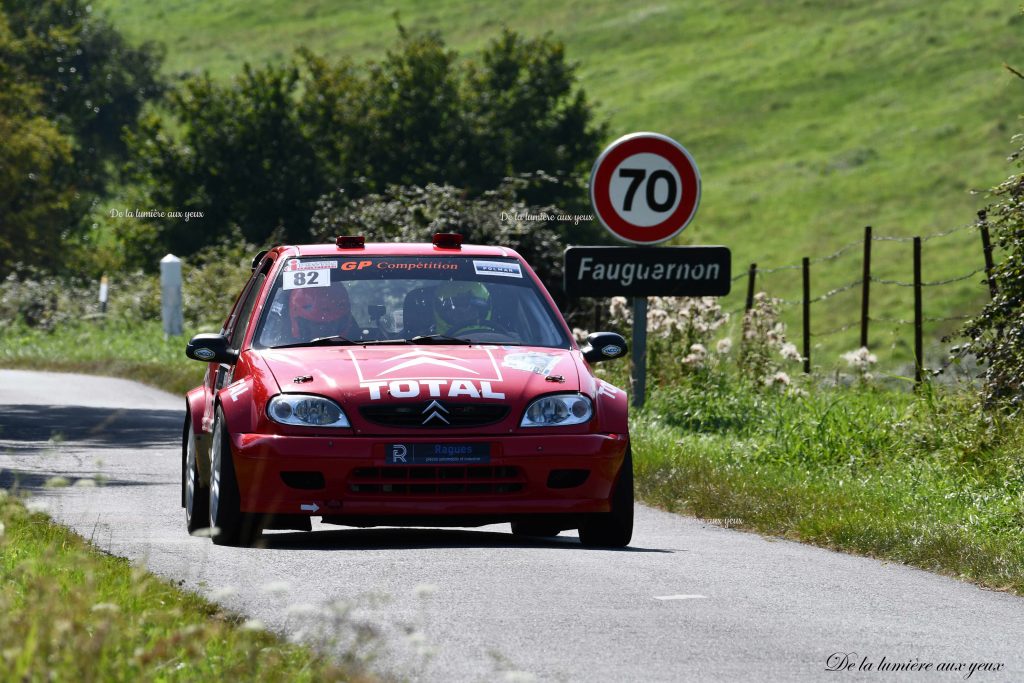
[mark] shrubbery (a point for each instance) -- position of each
(260, 151)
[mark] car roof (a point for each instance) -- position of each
(399, 249)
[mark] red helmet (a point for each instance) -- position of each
(320, 305)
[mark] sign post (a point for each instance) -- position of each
(645, 188)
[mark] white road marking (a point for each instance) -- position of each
(678, 597)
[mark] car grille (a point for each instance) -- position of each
(417, 480)
(447, 415)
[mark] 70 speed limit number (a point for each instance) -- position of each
(645, 188)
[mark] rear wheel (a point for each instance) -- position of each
(231, 526)
(196, 493)
(613, 529)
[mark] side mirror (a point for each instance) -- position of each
(604, 346)
(211, 347)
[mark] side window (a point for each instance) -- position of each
(245, 310)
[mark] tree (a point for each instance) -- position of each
(35, 193)
(92, 83)
(262, 149)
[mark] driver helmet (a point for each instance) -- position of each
(320, 311)
(459, 304)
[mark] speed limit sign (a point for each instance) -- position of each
(645, 188)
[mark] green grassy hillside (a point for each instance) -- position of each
(808, 119)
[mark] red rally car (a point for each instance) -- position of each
(403, 385)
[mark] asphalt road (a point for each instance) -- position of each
(688, 600)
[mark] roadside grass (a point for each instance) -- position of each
(808, 120)
(71, 612)
(135, 350)
(925, 480)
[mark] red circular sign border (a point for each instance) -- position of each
(651, 143)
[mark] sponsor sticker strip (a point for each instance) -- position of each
(501, 268)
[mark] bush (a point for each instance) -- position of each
(414, 214)
(996, 335)
(259, 151)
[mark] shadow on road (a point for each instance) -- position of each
(24, 480)
(410, 539)
(36, 428)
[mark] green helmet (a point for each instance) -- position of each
(459, 304)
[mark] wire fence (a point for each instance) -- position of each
(867, 280)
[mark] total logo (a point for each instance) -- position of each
(435, 388)
(428, 373)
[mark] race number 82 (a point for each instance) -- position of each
(299, 279)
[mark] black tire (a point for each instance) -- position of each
(195, 494)
(613, 529)
(231, 525)
(535, 528)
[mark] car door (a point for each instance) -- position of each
(220, 375)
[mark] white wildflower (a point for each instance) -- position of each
(85, 484)
(37, 506)
(789, 351)
(223, 593)
(861, 359)
(56, 483)
(254, 625)
(105, 607)
(778, 378)
(518, 677)
(580, 335)
(276, 587)
(302, 609)
(424, 590)
(724, 346)
(619, 310)
(2, 529)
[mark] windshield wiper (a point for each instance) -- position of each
(439, 339)
(338, 340)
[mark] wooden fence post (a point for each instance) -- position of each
(865, 288)
(807, 314)
(986, 245)
(918, 316)
(751, 276)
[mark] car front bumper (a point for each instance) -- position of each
(348, 477)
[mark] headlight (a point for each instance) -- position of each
(306, 411)
(558, 411)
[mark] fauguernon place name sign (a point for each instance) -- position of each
(648, 271)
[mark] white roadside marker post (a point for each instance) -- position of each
(104, 290)
(170, 295)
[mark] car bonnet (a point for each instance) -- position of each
(375, 375)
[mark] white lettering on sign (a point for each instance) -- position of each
(412, 388)
(502, 268)
(628, 273)
(300, 279)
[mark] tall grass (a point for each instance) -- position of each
(924, 479)
(69, 612)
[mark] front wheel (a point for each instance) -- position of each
(230, 525)
(196, 498)
(613, 529)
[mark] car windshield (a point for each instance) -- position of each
(408, 300)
